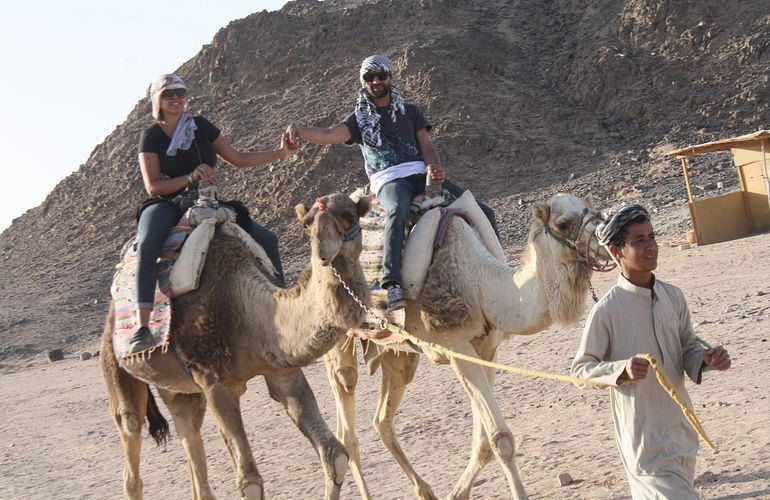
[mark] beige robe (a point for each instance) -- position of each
(657, 444)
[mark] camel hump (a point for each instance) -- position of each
(188, 267)
(427, 233)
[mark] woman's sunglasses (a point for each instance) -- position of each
(169, 93)
(382, 75)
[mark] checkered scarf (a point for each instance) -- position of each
(618, 221)
(366, 111)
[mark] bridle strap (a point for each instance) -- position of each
(564, 241)
(572, 243)
(352, 232)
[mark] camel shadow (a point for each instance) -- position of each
(708, 478)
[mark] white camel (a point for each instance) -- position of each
(470, 303)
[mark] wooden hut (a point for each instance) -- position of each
(738, 214)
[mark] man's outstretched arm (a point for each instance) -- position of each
(336, 134)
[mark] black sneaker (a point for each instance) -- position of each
(396, 299)
(140, 341)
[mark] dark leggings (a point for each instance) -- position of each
(154, 226)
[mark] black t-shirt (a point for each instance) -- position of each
(399, 139)
(155, 140)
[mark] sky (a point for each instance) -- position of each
(71, 71)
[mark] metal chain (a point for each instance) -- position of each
(355, 297)
(593, 292)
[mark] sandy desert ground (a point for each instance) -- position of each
(58, 441)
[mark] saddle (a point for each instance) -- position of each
(417, 252)
(179, 269)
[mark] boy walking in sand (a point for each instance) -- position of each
(641, 314)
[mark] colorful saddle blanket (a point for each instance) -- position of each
(123, 292)
(372, 231)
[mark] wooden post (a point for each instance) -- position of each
(744, 197)
(687, 180)
(690, 200)
(766, 172)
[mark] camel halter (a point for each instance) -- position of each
(351, 233)
(348, 234)
(591, 243)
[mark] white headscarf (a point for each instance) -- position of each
(184, 133)
(366, 111)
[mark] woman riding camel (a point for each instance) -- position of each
(175, 154)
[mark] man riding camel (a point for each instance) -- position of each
(397, 151)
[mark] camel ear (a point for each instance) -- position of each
(301, 211)
(541, 211)
(363, 206)
(590, 201)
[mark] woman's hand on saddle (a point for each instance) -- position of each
(203, 172)
(436, 173)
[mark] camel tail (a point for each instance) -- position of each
(158, 425)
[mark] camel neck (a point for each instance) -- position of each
(555, 289)
(315, 314)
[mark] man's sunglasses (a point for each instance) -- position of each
(382, 75)
(169, 93)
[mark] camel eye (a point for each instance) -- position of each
(562, 225)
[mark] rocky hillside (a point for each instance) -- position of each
(527, 98)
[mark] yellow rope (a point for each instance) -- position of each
(522, 371)
(662, 379)
(686, 410)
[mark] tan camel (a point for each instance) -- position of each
(470, 303)
(235, 326)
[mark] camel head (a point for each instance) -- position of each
(571, 223)
(332, 222)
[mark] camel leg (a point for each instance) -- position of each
(188, 411)
(224, 402)
(342, 370)
(476, 383)
(481, 452)
(397, 371)
(128, 418)
(127, 398)
(290, 388)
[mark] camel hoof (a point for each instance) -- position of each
(251, 492)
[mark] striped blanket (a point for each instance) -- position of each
(123, 292)
(372, 230)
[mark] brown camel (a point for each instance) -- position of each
(470, 303)
(235, 326)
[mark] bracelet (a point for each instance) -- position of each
(189, 179)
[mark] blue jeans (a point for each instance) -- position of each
(154, 226)
(396, 197)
